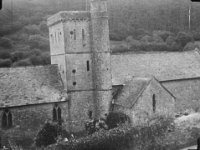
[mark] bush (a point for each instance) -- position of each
(183, 38)
(32, 29)
(119, 49)
(163, 34)
(114, 119)
(47, 135)
(16, 56)
(5, 55)
(36, 60)
(123, 137)
(24, 62)
(43, 27)
(5, 63)
(190, 46)
(147, 39)
(6, 43)
(39, 42)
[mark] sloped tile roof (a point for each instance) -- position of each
(30, 85)
(163, 65)
(131, 91)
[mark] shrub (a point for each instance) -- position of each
(24, 62)
(183, 38)
(46, 59)
(196, 35)
(43, 27)
(16, 56)
(163, 34)
(123, 137)
(114, 119)
(147, 39)
(5, 63)
(190, 46)
(32, 29)
(120, 48)
(5, 55)
(116, 36)
(47, 135)
(39, 42)
(157, 39)
(36, 60)
(6, 43)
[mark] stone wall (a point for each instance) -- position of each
(81, 104)
(186, 91)
(28, 120)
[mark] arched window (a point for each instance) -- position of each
(6, 119)
(57, 114)
(154, 103)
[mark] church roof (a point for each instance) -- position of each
(30, 85)
(131, 91)
(164, 66)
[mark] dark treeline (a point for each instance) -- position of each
(24, 33)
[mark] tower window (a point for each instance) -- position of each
(74, 83)
(52, 38)
(57, 114)
(6, 119)
(88, 65)
(83, 34)
(74, 34)
(154, 103)
(55, 38)
(73, 71)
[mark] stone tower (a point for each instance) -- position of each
(101, 56)
(79, 44)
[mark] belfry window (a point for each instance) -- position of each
(6, 119)
(57, 114)
(154, 103)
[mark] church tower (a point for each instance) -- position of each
(79, 45)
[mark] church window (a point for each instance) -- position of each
(154, 103)
(6, 119)
(88, 65)
(73, 71)
(57, 114)
(74, 83)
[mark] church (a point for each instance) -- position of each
(85, 79)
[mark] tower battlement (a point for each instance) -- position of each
(64, 16)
